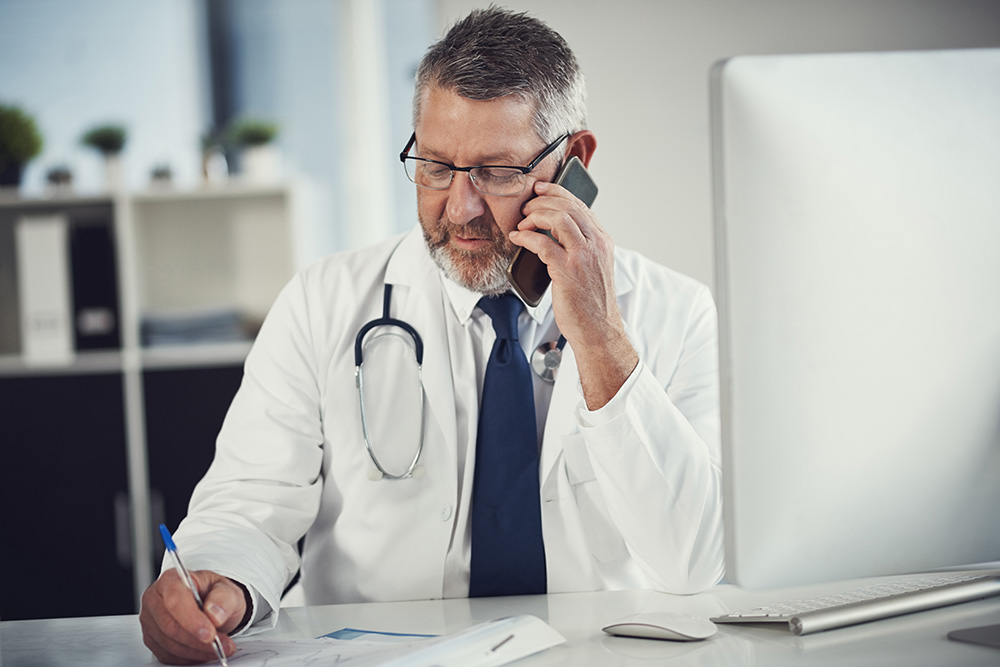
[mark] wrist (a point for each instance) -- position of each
(248, 608)
(604, 369)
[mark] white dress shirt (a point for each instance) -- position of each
(536, 325)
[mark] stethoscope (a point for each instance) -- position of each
(545, 361)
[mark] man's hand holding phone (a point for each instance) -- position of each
(580, 261)
(527, 273)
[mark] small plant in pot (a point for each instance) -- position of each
(161, 175)
(248, 132)
(60, 179)
(109, 139)
(20, 141)
(254, 136)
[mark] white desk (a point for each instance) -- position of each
(916, 639)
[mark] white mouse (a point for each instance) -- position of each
(663, 625)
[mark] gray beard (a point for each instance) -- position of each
(490, 280)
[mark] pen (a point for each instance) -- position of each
(172, 548)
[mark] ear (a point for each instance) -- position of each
(582, 144)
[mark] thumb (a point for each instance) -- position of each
(224, 600)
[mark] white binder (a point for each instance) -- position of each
(44, 290)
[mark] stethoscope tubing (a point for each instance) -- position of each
(545, 361)
(385, 320)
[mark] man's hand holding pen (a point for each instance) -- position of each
(176, 630)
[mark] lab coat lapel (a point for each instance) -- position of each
(417, 299)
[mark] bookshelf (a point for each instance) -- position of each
(191, 276)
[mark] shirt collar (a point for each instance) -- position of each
(463, 301)
(412, 253)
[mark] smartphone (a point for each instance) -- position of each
(527, 274)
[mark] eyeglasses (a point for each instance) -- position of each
(490, 179)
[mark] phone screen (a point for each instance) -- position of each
(527, 274)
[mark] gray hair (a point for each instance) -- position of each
(495, 52)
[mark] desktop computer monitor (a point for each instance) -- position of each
(857, 221)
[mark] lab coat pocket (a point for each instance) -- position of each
(602, 535)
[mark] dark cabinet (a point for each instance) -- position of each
(65, 541)
(184, 412)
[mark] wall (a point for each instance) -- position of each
(73, 65)
(647, 64)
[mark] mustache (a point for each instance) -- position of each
(481, 227)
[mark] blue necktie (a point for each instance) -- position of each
(508, 556)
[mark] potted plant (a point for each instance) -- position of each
(60, 179)
(109, 139)
(253, 137)
(161, 175)
(20, 141)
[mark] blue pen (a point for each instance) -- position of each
(172, 548)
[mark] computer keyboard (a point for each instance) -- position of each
(871, 603)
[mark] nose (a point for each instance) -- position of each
(465, 202)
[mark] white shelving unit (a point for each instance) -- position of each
(178, 252)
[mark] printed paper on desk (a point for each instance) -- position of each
(485, 645)
(306, 652)
(488, 644)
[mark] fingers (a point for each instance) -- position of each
(224, 601)
(557, 210)
(175, 630)
(578, 241)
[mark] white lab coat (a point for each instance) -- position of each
(635, 502)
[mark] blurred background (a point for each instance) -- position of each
(336, 78)
(191, 154)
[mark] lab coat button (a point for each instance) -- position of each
(445, 512)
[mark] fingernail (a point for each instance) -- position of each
(204, 634)
(218, 613)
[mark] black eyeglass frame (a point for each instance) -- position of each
(404, 156)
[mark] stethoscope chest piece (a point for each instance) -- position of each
(546, 358)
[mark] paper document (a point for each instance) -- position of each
(485, 645)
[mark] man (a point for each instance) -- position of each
(623, 469)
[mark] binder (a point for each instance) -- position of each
(44, 290)
(95, 286)
(10, 322)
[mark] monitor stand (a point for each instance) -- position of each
(987, 635)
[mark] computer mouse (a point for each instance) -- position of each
(663, 625)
